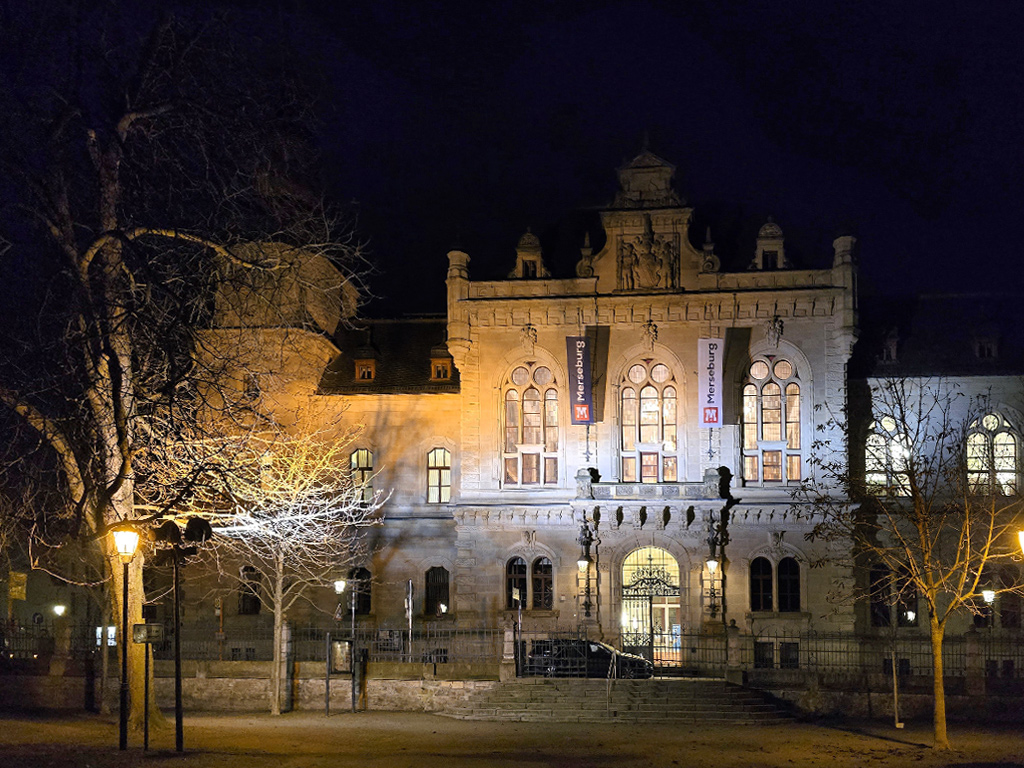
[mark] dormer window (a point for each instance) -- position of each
(986, 348)
(889, 347)
(440, 370)
(366, 370)
(770, 253)
(529, 262)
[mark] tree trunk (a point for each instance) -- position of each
(104, 657)
(939, 689)
(275, 673)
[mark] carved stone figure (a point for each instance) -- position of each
(528, 337)
(773, 329)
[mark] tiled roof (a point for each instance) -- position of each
(402, 351)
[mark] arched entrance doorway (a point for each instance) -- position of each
(651, 616)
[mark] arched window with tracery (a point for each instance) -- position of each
(992, 456)
(648, 410)
(543, 584)
(772, 427)
(886, 459)
(531, 438)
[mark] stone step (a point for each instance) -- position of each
(632, 701)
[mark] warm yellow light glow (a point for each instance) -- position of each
(1021, 537)
(712, 566)
(583, 562)
(59, 609)
(339, 586)
(126, 540)
(988, 595)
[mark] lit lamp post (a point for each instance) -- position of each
(712, 565)
(989, 596)
(126, 541)
(586, 539)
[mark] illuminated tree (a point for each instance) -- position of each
(922, 527)
(142, 174)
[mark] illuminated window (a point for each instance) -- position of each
(648, 415)
(992, 456)
(439, 476)
(362, 473)
(531, 437)
(887, 457)
(772, 432)
(366, 370)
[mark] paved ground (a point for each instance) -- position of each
(400, 740)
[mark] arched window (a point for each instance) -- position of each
(515, 583)
(435, 597)
(543, 597)
(362, 472)
(249, 588)
(886, 459)
(772, 431)
(992, 456)
(789, 585)
(760, 584)
(648, 421)
(439, 476)
(530, 449)
(361, 581)
(778, 586)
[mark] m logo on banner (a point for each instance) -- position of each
(710, 416)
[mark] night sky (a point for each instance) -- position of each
(898, 122)
(462, 125)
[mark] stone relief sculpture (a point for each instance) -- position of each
(648, 261)
(650, 334)
(528, 337)
(773, 329)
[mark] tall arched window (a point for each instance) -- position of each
(886, 459)
(361, 582)
(789, 585)
(515, 583)
(435, 597)
(530, 449)
(543, 583)
(648, 403)
(249, 589)
(439, 476)
(361, 462)
(772, 432)
(760, 584)
(992, 456)
(778, 586)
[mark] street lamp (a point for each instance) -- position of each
(126, 541)
(586, 539)
(59, 609)
(712, 564)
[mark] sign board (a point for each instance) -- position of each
(17, 581)
(341, 656)
(147, 633)
(710, 361)
(581, 398)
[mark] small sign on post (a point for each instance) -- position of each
(148, 633)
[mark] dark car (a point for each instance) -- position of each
(583, 658)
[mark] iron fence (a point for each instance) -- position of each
(993, 654)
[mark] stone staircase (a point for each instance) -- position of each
(690, 700)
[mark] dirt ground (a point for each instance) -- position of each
(400, 740)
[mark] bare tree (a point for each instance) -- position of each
(294, 523)
(934, 519)
(143, 173)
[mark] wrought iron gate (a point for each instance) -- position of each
(651, 612)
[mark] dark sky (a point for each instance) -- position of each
(455, 124)
(898, 121)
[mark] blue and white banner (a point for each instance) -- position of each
(580, 395)
(710, 361)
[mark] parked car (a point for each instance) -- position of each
(583, 658)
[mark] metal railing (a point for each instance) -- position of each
(992, 654)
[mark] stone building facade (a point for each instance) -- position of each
(467, 424)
